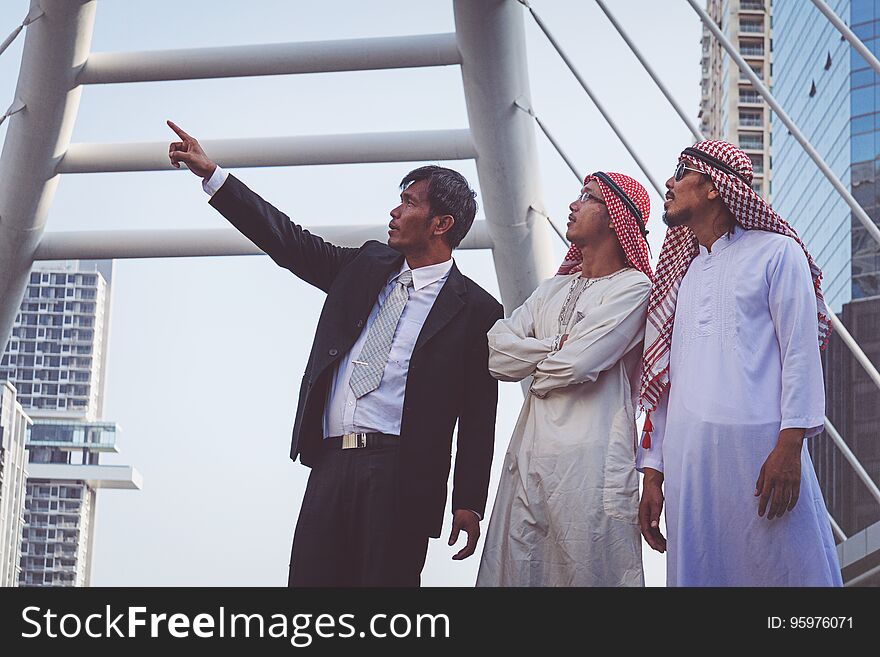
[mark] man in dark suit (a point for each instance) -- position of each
(400, 354)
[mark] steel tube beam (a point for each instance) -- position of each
(116, 244)
(271, 59)
(415, 146)
(491, 39)
(55, 47)
(857, 209)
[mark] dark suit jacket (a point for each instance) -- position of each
(448, 378)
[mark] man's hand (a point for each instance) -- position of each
(468, 521)
(779, 482)
(190, 152)
(650, 507)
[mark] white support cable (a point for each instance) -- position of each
(848, 34)
(550, 221)
(865, 576)
(747, 71)
(695, 131)
(851, 459)
(836, 528)
(34, 14)
(854, 347)
(657, 186)
(552, 139)
(15, 108)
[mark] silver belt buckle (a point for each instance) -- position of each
(354, 440)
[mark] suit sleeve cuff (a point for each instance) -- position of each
(215, 182)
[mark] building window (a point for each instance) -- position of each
(751, 25)
(751, 141)
(751, 118)
(751, 48)
(749, 96)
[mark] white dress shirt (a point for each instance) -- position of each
(381, 410)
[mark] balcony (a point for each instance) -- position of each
(752, 51)
(750, 98)
(751, 144)
(751, 28)
(751, 5)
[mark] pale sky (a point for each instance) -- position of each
(206, 354)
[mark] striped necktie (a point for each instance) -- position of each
(370, 364)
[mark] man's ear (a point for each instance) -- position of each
(713, 193)
(444, 223)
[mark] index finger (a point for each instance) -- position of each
(180, 132)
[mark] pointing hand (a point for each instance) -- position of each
(190, 152)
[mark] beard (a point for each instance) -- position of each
(673, 219)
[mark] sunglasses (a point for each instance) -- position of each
(680, 169)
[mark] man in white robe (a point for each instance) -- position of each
(566, 509)
(733, 382)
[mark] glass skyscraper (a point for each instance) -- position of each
(833, 95)
(865, 147)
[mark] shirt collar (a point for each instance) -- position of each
(724, 241)
(423, 276)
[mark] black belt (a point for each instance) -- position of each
(360, 440)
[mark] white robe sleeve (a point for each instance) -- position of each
(596, 342)
(514, 351)
(794, 312)
(653, 457)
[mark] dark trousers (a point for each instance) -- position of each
(349, 531)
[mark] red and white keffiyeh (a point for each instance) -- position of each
(680, 247)
(623, 222)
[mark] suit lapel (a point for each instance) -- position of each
(448, 304)
(375, 279)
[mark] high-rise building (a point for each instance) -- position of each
(56, 358)
(833, 95)
(13, 475)
(731, 108)
(64, 475)
(57, 352)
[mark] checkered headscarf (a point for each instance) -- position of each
(618, 192)
(731, 172)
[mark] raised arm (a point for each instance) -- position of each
(288, 244)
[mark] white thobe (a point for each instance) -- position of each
(744, 365)
(566, 509)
